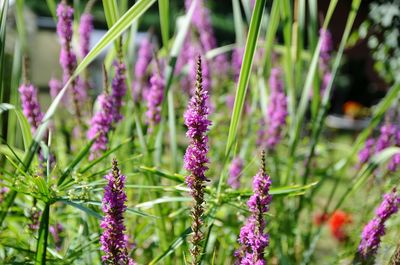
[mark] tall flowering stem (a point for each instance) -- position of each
(101, 122)
(154, 99)
(144, 56)
(325, 57)
(118, 89)
(235, 170)
(113, 241)
(195, 159)
(68, 60)
(30, 105)
(276, 112)
(253, 239)
(375, 229)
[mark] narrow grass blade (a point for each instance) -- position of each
(23, 123)
(83, 208)
(273, 23)
(174, 246)
(41, 246)
(238, 21)
(78, 158)
(163, 7)
(245, 70)
(3, 18)
(175, 177)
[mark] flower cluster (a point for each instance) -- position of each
(195, 159)
(118, 87)
(55, 87)
(56, 231)
(113, 240)
(101, 124)
(375, 229)
(144, 56)
(253, 239)
(68, 59)
(30, 105)
(202, 22)
(154, 98)
(389, 136)
(235, 170)
(325, 57)
(276, 112)
(85, 29)
(237, 58)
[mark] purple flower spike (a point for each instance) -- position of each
(252, 238)
(55, 87)
(154, 99)
(56, 231)
(385, 138)
(100, 125)
(276, 112)
(118, 90)
(234, 172)
(375, 229)
(68, 60)
(195, 159)
(113, 240)
(202, 22)
(30, 105)
(237, 58)
(144, 56)
(365, 154)
(85, 29)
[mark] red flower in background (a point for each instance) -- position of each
(320, 219)
(337, 223)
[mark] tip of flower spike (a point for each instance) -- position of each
(199, 75)
(263, 161)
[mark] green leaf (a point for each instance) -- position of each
(78, 158)
(161, 200)
(23, 123)
(163, 7)
(41, 246)
(245, 70)
(172, 176)
(79, 206)
(174, 246)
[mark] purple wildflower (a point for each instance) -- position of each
(234, 172)
(144, 56)
(394, 163)
(385, 138)
(237, 58)
(375, 229)
(365, 154)
(55, 87)
(113, 240)
(3, 191)
(100, 125)
(202, 22)
(30, 105)
(276, 112)
(68, 60)
(326, 49)
(85, 29)
(154, 99)
(195, 159)
(34, 219)
(56, 231)
(118, 89)
(252, 238)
